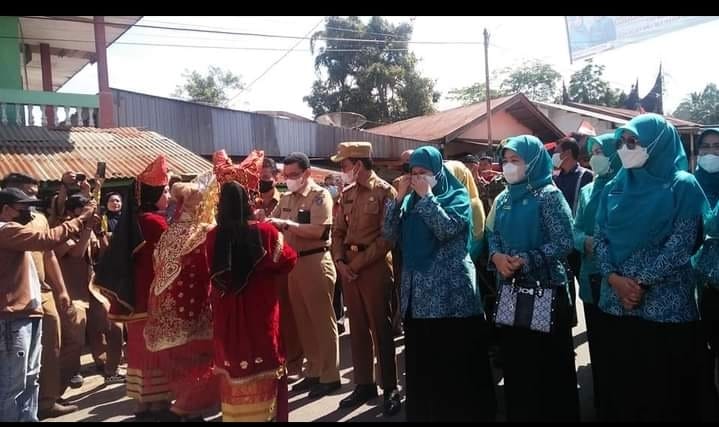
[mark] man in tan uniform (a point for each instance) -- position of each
(364, 261)
(304, 215)
(50, 275)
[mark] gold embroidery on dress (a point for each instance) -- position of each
(179, 240)
(276, 373)
(279, 243)
(168, 330)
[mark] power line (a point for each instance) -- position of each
(276, 21)
(361, 32)
(269, 49)
(252, 34)
(276, 62)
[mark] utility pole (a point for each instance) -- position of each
(486, 85)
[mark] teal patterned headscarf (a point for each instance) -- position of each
(419, 245)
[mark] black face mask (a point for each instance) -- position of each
(266, 186)
(406, 168)
(24, 218)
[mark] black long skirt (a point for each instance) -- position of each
(448, 372)
(540, 379)
(656, 372)
(710, 323)
(595, 335)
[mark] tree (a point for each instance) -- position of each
(700, 107)
(473, 94)
(210, 89)
(587, 86)
(377, 80)
(535, 79)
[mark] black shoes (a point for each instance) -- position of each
(323, 389)
(392, 403)
(366, 392)
(361, 394)
(306, 384)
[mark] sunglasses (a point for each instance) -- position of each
(630, 141)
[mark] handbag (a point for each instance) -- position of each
(527, 303)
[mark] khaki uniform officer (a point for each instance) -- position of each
(304, 215)
(364, 260)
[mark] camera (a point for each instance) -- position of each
(80, 177)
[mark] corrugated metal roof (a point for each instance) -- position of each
(583, 112)
(448, 124)
(628, 114)
(47, 153)
(438, 125)
(205, 129)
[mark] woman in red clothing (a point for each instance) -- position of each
(248, 258)
(124, 275)
(179, 323)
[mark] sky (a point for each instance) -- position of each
(158, 70)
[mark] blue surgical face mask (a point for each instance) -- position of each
(333, 190)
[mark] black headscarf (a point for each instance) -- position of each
(238, 247)
(112, 217)
(149, 196)
(114, 272)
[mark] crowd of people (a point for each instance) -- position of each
(223, 293)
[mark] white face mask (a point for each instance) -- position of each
(431, 180)
(556, 160)
(349, 177)
(513, 173)
(293, 184)
(709, 162)
(599, 164)
(632, 159)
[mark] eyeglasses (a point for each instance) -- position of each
(629, 140)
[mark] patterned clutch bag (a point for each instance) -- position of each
(526, 303)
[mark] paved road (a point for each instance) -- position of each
(99, 403)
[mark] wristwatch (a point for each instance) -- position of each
(285, 226)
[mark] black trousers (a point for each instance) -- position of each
(595, 334)
(709, 306)
(657, 372)
(540, 379)
(448, 377)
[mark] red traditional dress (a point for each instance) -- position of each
(179, 323)
(146, 380)
(249, 356)
(123, 276)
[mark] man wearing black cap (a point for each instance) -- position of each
(21, 311)
(50, 276)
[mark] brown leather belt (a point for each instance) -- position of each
(313, 251)
(355, 248)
